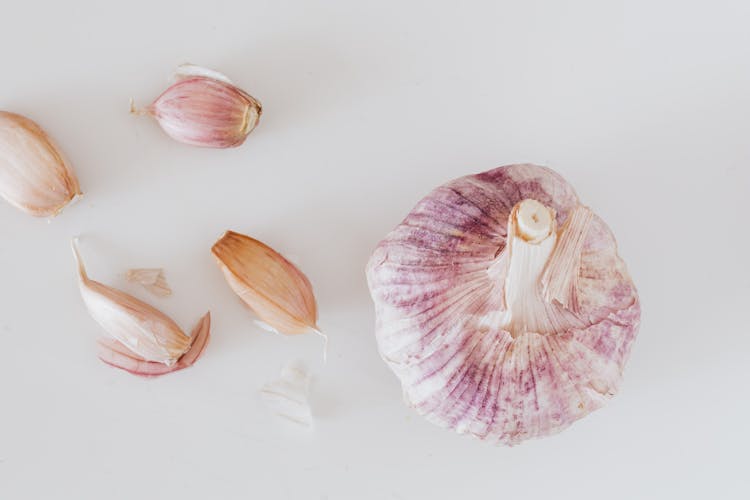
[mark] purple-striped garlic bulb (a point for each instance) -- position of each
(503, 306)
(204, 108)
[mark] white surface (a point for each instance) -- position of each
(642, 105)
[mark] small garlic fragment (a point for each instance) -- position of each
(149, 334)
(278, 292)
(203, 108)
(288, 396)
(34, 175)
(152, 280)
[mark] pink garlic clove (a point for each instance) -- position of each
(114, 353)
(203, 108)
(502, 305)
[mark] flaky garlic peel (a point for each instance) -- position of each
(274, 288)
(141, 335)
(34, 175)
(203, 108)
(503, 306)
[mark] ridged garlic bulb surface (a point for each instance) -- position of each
(502, 305)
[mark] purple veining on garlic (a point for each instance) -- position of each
(438, 280)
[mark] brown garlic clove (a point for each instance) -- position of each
(278, 292)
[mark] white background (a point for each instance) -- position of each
(644, 106)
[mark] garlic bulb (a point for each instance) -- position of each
(144, 341)
(503, 306)
(278, 292)
(203, 108)
(34, 175)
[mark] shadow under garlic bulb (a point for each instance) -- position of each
(503, 306)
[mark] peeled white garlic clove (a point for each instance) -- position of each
(152, 280)
(148, 334)
(203, 108)
(288, 396)
(502, 305)
(34, 175)
(278, 292)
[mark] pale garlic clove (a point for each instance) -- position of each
(34, 175)
(203, 108)
(502, 305)
(149, 334)
(114, 353)
(277, 292)
(152, 279)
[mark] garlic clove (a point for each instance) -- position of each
(203, 108)
(152, 280)
(143, 329)
(114, 353)
(276, 291)
(502, 305)
(34, 175)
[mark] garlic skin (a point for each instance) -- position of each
(114, 353)
(152, 280)
(502, 305)
(141, 329)
(288, 396)
(34, 175)
(278, 292)
(203, 108)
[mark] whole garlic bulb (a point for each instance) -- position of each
(34, 175)
(503, 306)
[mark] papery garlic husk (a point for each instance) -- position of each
(152, 279)
(34, 175)
(503, 306)
(287, 396)
(144, 334)
(203, 108)
(278, 292)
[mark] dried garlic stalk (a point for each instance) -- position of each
(145, 340)
(152, 280)
(288, 396)
(278, 292)
(203, 108)
(34, 175)
(502, 305)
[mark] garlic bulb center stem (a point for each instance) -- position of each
(534, 221)
(531, 241)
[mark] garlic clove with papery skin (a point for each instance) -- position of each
(503, 306)
(147, 333)
(203, 108)
(274, 288)
(114, 353)
(34, 175)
